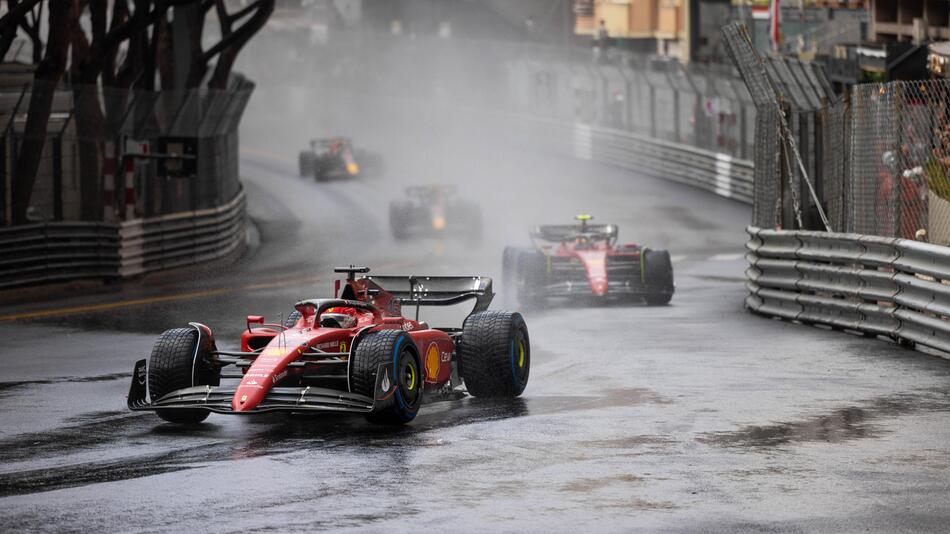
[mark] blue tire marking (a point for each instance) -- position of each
(402, 403)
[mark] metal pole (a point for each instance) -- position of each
(58, 177)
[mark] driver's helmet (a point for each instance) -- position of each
(338, 318)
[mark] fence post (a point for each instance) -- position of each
(58, 177)
(108, 186)
(676, 111)
(652, 110)
(4, 213)
(129, 187)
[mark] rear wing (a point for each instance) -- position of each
(437, 290)
(566, 232)
(426, 190)
(327, 141)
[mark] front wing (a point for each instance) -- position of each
(279, 399)
(582, 287)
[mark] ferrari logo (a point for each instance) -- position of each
(342, 346)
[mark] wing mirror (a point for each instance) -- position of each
(254, 319)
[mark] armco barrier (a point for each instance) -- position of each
(876, 285)
(183, 238)
(717, 173)
(64, 251)
(57, 251)
(711, 171)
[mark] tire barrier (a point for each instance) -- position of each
(875, 285)
(66, 251)
(58, 251)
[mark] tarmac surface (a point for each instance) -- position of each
(696, 416)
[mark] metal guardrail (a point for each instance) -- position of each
(875, 285)
(65, 251)
(57, 251)
(715, 172)
(711, 171)
(183, 238)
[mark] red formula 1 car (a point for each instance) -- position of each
(585, 259)
(352, 353)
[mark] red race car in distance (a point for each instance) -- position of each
(584, 259)
(354, 353)
(336, 158)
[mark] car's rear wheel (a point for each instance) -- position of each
(319, 169)
(399, 402)
(181, 359)
(657, 277)
(306, 163)
(495, 354)
(532, 271)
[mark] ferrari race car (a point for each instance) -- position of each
(336, 158)
(353, 353)
(585, 259)
(433, 210)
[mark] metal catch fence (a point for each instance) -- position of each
(899, 169)
(110, 154)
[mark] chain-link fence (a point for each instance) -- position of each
(111, 153)
(879, 161)
(900, 160)
(799, 163)
(699, 106)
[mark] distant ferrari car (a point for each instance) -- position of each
(434, 210)
(336, 158)
(585, 259)
(353, 353)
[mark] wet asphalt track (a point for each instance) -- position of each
(691, 417)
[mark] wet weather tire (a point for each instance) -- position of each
(495, 354)
(658, 277)
(179, 361)
(400, 403)
(531, 266)
(306, 163)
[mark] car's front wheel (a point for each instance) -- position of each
(181, 359)
(402, 385)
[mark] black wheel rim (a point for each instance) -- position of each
(410, 381)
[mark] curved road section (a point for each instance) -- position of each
(692, 416)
